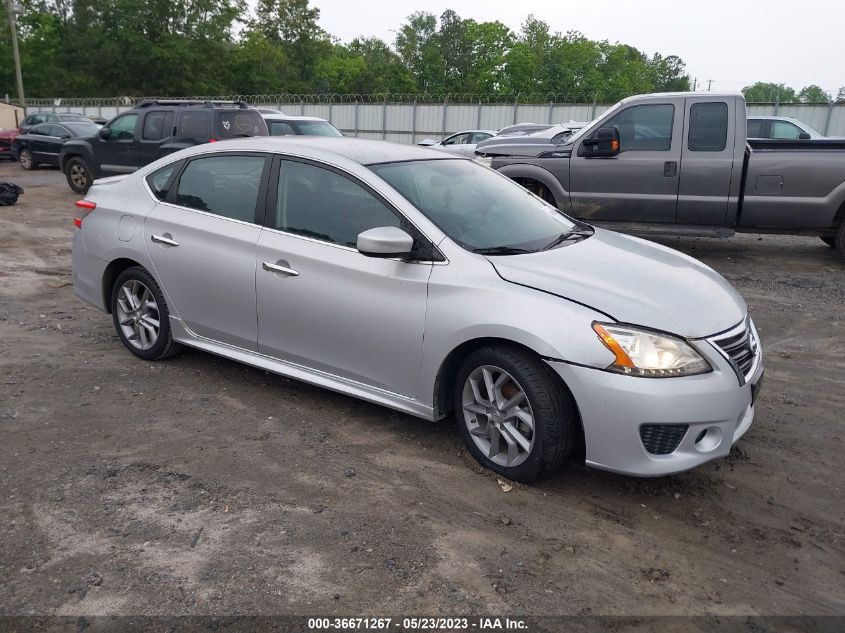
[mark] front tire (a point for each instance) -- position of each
(515, 416)
(141, 317)
(26, 159)
(78, 175)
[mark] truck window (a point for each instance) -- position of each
(708, 127)
(644, 127)
(785, 129)
(755, 128)
(123, 128)
(157, 125)
(195, 125)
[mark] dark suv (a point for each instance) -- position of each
(151, 130)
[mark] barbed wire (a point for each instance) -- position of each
(280, 99)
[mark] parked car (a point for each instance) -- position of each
(462, 143)
(679, 164)
(281, 124)
(37, 118)
(150, 130)
(530, 143)
(523, 129)
(427, 283)
(7, 138)
(781, 127)
(42, 144)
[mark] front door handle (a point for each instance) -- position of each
(163, 239)
(278, 268)
(670, 168)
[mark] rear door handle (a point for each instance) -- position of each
(161, 239)
(278, 268)
(670, 168)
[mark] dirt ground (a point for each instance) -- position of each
(201, 486)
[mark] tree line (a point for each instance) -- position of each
(93, 48)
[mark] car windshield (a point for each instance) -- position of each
(479, 209)
(82, 129)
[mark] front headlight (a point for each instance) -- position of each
(643, 353)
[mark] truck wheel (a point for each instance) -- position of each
(78, 175)
(26, 160)
(829, 240)
(840, 239)
(515, 417)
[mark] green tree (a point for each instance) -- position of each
(763, 92)
(814, 94)
(417, 46)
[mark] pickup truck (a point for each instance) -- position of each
(680, 164)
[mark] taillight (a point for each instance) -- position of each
(87, 207)
(212, 140)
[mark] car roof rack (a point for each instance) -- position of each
(207, 103)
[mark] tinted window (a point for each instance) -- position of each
(475, 206)
(123, 128)
(60, 131)
(157, 126)
(708, 127)
(195, 125)
(755, 128)
(280, 128)
(158, 180)
(223, 185)
(480, 136)
(322, 204)
(784, 129)
(235, 123)
(41, 130)
(644, 127)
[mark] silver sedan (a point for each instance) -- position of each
(428, 284)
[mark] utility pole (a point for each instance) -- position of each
(694, 84)
(14, 10)
(709, 82)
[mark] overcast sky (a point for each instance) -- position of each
(732, 42)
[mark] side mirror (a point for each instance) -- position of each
(104, 133)
(603, 143)
(385, 241)
(804, 136)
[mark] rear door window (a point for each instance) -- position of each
(280, 128)
(157, 125)
(755, 128)
(238, 123)
(225, 185)
(708, 127)
(195, 125)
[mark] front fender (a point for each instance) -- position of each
(79, 148)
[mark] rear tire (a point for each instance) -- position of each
(78, 175)
(141, 316)
(526, 428)
(840, 239)
(26, 160)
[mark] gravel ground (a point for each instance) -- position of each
(201, 486)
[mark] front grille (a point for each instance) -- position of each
(662, 439)
(741, 348)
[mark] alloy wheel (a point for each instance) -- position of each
(498, 415)
(138, 314)
(25, 159)
(78, 175)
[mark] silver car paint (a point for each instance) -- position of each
(396, 323)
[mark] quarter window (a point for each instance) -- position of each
(644, 127)
(159, 179)
(223, 185)
(708, 127)
(319, 203)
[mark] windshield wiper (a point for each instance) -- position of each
(569, 235)
(501, 250)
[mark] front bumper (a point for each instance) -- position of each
(716, 407)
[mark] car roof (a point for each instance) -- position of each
(326, 148)
(473, 131)
(772, 117)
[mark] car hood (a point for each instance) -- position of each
(633, 281)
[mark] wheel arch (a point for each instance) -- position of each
(529, 176)
(111, 273)
(448, 370)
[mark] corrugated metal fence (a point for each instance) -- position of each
(410, 121)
